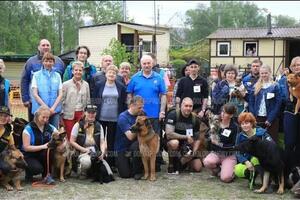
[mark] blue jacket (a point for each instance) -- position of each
(249, 82)
(272, 104)
(6, 91)
(220, 95)
(88, 72)
(32, 65)
(283, 88)
(241, 137)
(48, 89)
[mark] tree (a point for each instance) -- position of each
(284, 21)
(204, 20)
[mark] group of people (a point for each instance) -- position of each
(97, 110)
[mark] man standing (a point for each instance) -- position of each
(126, 146)
(150, 85)
(182, 130)
(32, 65)
(250, 80)
(195, 87)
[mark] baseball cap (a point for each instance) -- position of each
(91, 108)
(5, 109)
(193, 61)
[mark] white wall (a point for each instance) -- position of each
(96, 39)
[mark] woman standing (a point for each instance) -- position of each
(76, 95)
(82, 54)
(46, 86)
(267, 102)
(36, 136)
(221, 159)
(124, 71)
(111, 101)
(228, 90)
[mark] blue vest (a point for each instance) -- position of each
(48, 89)
(6, 91)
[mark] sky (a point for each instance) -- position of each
(172, 12)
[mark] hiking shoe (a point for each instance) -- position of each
(49, 180)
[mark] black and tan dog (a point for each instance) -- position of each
(15, 164)
(148, 145)
(271, 159)
(62, 154)
(18, 127)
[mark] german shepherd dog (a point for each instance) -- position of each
(148, 145)
(294, 89)
(18, 127)
(62, 152)
(271, 159)
(14, 161)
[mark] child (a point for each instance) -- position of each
(4, 86)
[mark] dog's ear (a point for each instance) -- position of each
(254, 139)
(55, 135)
(147, 122)
(63, 134)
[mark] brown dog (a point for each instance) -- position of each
(148, 144)
(62, 155)
(13, 159)
(294, 88)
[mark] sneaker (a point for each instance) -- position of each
(49, 180)
(138, 176)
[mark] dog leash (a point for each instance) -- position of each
(42, 184)
(252, 175)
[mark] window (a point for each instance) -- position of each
(147, 45)
(223, 48)
(250, 49)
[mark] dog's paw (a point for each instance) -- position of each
(280, 191)
(9, 188)
(145, 177)
(261, 190)
(152, 178)
(20, 188)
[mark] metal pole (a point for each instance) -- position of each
(154, 37)
(124, 11)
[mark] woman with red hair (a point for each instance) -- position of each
(247, 162)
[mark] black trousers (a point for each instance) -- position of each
(37, 163)
(129, 162)
(109, 132)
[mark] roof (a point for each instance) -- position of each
(140, 27)
(16, 57)
(241, 33)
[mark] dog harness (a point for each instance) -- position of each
(4, 139)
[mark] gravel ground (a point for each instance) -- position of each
(183, 186)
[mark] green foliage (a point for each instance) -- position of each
(118, 51)
(178, 64)
(204, 20)
(284, 21)
(23, 24)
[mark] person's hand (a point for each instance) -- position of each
(26, 104)
(52, 111)
(249, 165)
(45, 146)
(214, 141)
(190, 140)
(86, 150)
(101, 156)
(267, 123)
(201, 114)
(161, 115)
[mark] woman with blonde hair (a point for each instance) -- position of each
(267, 101)
(124, 71)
